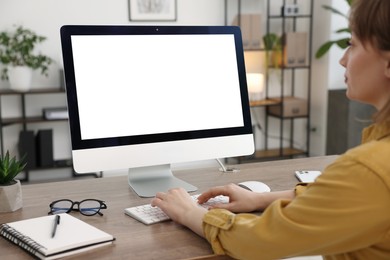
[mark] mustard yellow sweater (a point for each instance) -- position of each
(345, 214)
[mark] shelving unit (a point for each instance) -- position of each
(25, 120)
(286, 129)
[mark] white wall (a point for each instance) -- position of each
(327, 73)
(319, 81)
(47, 16)
(336, 72)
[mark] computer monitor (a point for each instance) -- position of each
(146, 97)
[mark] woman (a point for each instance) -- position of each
(345, 214)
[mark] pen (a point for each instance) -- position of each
(56, 223)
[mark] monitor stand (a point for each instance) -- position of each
(147, 181)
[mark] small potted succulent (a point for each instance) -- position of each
(18, 57)
(10, 188)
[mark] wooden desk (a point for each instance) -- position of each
(135, 240)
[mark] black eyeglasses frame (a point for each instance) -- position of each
(102, 205)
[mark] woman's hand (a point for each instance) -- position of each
(243, 200)
(240, 200)
(181, 208)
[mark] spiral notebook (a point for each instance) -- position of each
(72, 236)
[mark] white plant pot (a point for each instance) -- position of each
(20, 78)
(11, 197)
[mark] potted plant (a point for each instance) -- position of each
(342, 42)
(273, 47)
(10, 189)
(17, 55)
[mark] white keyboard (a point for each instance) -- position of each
(151, 215)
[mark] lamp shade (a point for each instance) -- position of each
(255, 82)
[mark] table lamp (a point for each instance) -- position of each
(255, 83)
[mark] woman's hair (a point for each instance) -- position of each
(370, 21)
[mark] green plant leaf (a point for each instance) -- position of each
(10, 168)
(271, 41)
(344, 30)
(335, 11)
(324, 48)
(342, 43)
(17, 49)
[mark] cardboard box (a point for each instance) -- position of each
(250, 25)
(295, 49)
(256, 34)
(292, 107)
(55, 113)
(244, 22)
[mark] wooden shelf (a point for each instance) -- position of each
(25, 119)
(264, 102)
(272, 154)
(33, 91)
(275, 112)
(287, 117)
(32, 119)
(65, 163)
(61, 164)
(277, 152)
(289, 67)
(290, 16)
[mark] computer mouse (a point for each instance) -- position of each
(255, 186)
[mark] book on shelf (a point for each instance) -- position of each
(44, 148)
(72, 236)
(27, 147)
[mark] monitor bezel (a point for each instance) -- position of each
(71, 89)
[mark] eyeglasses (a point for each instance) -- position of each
(88, 207)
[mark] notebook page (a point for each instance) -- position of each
(71, 233)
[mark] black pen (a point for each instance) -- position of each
(56, 223)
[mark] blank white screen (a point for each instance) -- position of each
(146, 84)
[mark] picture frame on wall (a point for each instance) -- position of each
(152, 10)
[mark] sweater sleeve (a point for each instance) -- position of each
(300, 188)
(327, 217)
